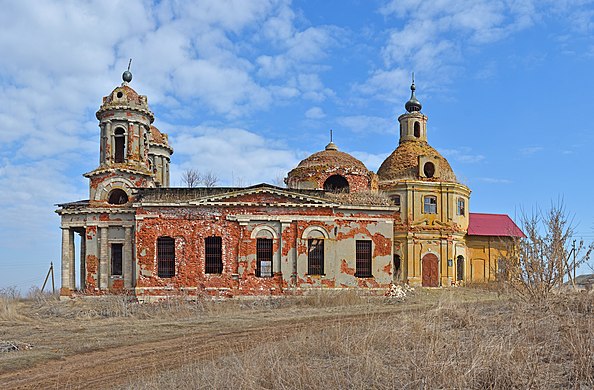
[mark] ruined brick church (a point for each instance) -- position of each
(336, 225)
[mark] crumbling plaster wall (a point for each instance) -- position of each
(239, 228)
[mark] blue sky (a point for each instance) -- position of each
(246, 89)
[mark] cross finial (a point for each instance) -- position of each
(330, 135)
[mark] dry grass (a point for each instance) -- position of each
(494, 345)
(443, 338)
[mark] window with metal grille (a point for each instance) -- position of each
(116, 259)
(363, 258)
(430, 205)
(264, 257)
(213, 247)
(315, 256)
(165, 257)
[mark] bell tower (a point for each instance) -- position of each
(413, 124)
(125, 120)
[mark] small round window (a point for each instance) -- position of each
(119, 94)
(118, 196)
(429, 169)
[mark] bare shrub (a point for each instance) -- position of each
(537, 264)
(191, 178)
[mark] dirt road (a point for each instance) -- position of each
(117, 365)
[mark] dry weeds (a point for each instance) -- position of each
(444, 338)
(456, 345)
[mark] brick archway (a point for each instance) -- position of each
(430, 270)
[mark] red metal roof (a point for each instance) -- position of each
(498, 225)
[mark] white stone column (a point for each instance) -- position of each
(127, 258)
(67, 238)
(83, 259)
(103, 259)
(72, 274)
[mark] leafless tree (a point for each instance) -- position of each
(191, 178)
(210, 179)
(537, 264)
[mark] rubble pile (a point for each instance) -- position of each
(399, 291)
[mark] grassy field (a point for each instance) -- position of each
(460, 338)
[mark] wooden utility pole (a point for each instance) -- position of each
(50, 271)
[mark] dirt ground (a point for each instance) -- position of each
(92, 344)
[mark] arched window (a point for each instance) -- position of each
(315, 256)
(165, 257)
(336, 183)
(264, 257)
(417, 129)
(460, 268)
(430, 204)
(118, 196)
(119, 146)
(429, 169)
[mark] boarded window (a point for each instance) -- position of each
(460, 268)
(315, 256)
(264, 257)
(213, 255)
(363, 259)
(430, 204)
(119, 146)
(461, 209)
(165, 257)
(116, 259)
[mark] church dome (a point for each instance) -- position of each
(321, 169)
(408, 162)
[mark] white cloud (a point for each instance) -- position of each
(315, 113)
(233, 153)
(434, 37)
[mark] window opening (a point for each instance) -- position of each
(315, 256)
(119, 138)
(397, 265)
(395, 199)
(460, 268)
(336, 183)
(165, 257)
(429, 169)
(461, 206)
(116, 259)
(363, 259)
(264, 257)
(417, 129)
(430, 203)
(213, 255)
(118, 196)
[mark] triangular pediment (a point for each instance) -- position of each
(263, 196)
